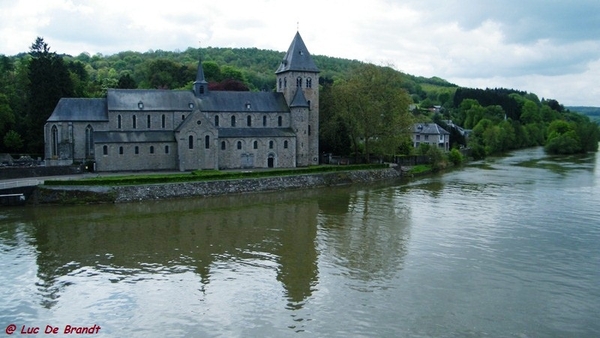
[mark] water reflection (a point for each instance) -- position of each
(126, 242)
(494, 249)
(368, 238)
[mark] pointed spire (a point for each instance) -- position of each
(297, 58)
(200, 85)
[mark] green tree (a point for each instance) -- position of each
(375, 107)
(562, 138)
(333, 131)
(7, 118)
(212, 71)
(455, 157)
(436, 158)
(13, 141)
(49, 81)
(530, 113)
(126, 82)
(589, 135)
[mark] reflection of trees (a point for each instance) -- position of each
(168, 237)
(369, 240)
(298, 256)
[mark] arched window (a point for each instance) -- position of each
(151, 149)
(308, 82)
(265, 121)
(182, 117)
(309, 130)
(279, 83)
(54, 141)
(285, 144)
(309, 105)
(105, 150)
(136, 150)
(285, 82)
(270, 144)
(89, 141)
(206, 142)
(164, 121)
(120, 150)
(249, 121)
(299, 82)
(191, 142)
(134, 121)
(119, 122)
(216, 120)
(233, 121)
(166, 149)
(279, 121)
(148, 122)
(239, 145)
(223, 145)
(255, 145)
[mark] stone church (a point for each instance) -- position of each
(141, 129)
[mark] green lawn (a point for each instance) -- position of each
(206, 175)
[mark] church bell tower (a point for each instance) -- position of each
(298, 80)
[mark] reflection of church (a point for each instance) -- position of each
(135, 129)
(199, 234)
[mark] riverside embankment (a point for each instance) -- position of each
(131, 193)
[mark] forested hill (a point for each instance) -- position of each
(592, 112)
(177, 69)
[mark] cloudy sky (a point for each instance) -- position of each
(548, 47)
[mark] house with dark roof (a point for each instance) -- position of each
(432, 134)
(140, 129)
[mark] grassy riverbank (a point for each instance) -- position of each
(205, 175)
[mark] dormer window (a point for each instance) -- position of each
(191, 105)
(141, 105)
(248, 106)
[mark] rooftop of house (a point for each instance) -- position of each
(429, 129)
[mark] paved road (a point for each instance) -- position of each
(31, 181)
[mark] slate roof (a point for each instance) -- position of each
(255, 132)
(217, 101)
(299, 99)
(133, 136)
(297, 58)
(151, 99)
(78, 109)
(429, 128)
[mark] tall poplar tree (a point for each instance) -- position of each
(49, 81)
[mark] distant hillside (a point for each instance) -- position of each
(592, 112)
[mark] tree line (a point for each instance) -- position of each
(364, 108)
(31, 83)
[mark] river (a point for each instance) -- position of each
(506, 247)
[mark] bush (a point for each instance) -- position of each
(455, 157)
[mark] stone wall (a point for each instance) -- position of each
(68, 195)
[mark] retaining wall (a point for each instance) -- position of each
(121, 194)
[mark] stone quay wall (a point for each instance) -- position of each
(124, 194)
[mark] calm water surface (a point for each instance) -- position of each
(508, 247)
